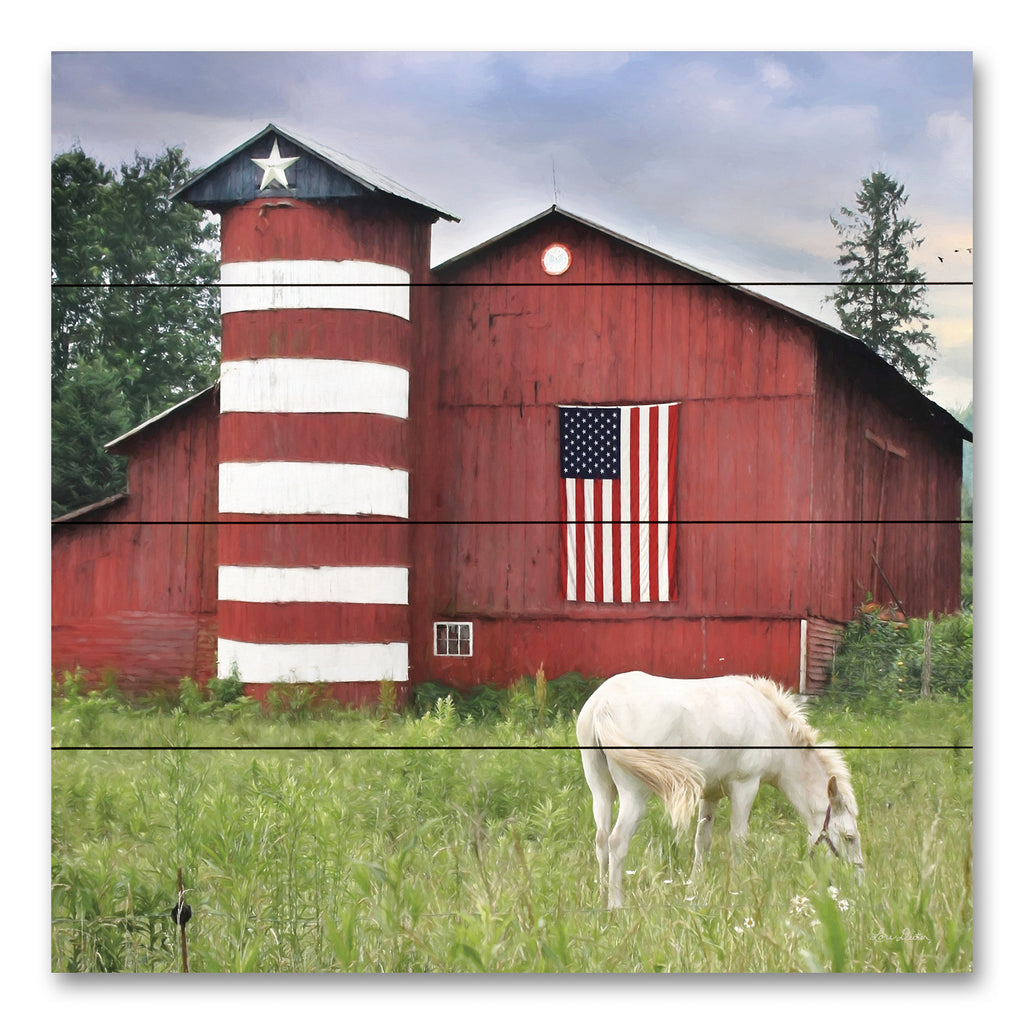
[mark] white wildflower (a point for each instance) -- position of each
(798, 905)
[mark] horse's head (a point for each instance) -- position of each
(839, 832)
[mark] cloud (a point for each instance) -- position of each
(775, 75)
(954, 135)
(730, 161)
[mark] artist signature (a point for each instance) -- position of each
(905, 936)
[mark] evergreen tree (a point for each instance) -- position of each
(882, 297)
(131, 333)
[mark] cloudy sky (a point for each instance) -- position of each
(729, 161)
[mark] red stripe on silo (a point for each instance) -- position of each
(298, 230)
(312, 622)
(312, 541)
(315, 334)
(364, 438)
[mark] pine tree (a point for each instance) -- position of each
(882, 297)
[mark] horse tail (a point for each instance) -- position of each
(676, 780)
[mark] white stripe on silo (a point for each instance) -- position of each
(342, 584)
(314, 385)
(312, 663)
(314, 284)
(313, 488)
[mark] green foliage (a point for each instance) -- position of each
(882, 297)
(532, 699)
(881, 662)
(227, 690)
(475, 854)
(125, 342)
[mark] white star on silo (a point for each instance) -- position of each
(274, 167)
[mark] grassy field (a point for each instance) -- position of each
(435, 842)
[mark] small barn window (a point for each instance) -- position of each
(453, 639)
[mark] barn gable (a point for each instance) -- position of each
(623, 264)
(278, 163)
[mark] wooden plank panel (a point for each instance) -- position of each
(670, 341)
(714, 385)
(697, 348)
(768, 356)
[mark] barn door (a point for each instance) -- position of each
(879, 537)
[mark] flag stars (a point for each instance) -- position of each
(590, 443)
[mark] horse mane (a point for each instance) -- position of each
(803, 734)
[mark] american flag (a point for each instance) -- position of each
(618, 502)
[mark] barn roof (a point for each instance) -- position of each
(153, 420)
(329, 175)
(889, 384)
(97, 506)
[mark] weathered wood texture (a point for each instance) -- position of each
(291, 229)
(889, 487)
(765, 403)
(134, 587)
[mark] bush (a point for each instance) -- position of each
(228, 689)
(881, 660)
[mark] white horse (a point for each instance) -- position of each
(693, 741)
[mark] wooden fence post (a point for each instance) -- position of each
(926, 668)
(180, 914)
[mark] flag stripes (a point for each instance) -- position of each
(619, 535)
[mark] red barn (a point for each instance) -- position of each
(561, 448)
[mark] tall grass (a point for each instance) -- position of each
(456, 839)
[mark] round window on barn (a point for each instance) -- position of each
(556, 259)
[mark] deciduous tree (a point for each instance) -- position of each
(133, 310)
